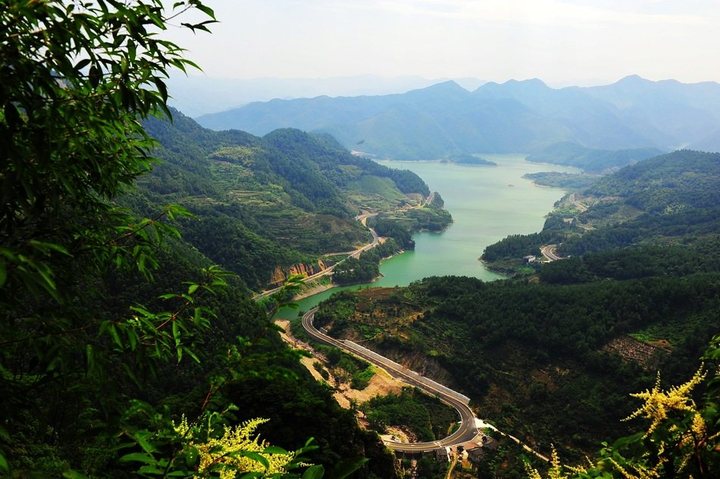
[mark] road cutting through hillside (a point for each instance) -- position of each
(376, 240)
(467, 430)
(470, 426)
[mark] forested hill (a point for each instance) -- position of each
(265, 204)
(668, 200)
(516, 116)
(667, 183)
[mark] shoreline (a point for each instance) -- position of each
(321, 288)
(312, 291)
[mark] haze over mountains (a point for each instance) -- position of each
(515, 116)
(200, 95)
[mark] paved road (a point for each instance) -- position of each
(329, 270)
(550, 252)
(362, 218)
(464, 433)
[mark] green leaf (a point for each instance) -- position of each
(176, 333)
(173, 211)
(206, 10)
(191, 456)
(314, 472)
(82, 64)
(90, 358)
(115, 336)
(192, 355)
(132, 339)
(47, 247)
(346, 467)
(142, 440)
(254, 456)
(275, 450)
(151, 469)
(3, 272)
(138, 457)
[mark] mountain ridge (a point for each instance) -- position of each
(515, 116)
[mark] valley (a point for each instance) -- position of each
(485, 209)
(360, 287)
(610, 313)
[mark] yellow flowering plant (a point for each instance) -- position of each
(682, 438)
(238, 450)
(211, 448)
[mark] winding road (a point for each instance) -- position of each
(464, 433)
(362, 218)
(550, 252)
(376, 240)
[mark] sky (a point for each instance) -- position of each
(563, 42)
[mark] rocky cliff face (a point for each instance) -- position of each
(281, 274)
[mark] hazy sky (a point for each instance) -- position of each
(560, 41)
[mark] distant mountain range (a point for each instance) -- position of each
(199, 95)
(516, 116)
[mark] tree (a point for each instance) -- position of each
(92, 383)
(76, 79)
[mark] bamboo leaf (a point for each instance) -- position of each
(314, 472)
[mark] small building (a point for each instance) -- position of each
(487, 447)
(529, 258)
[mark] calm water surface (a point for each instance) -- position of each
(487, 204)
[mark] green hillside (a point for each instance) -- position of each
(669, 200)
(266, 204)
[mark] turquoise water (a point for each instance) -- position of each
(487, 204)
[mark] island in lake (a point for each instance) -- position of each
(466, 159)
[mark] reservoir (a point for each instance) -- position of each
(487, 203)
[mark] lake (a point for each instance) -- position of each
(487, 204)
